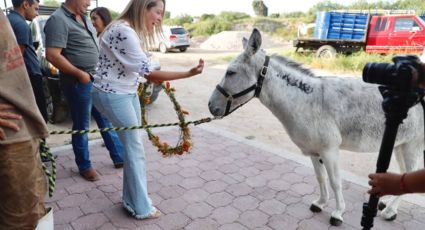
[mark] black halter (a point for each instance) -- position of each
(256, 87)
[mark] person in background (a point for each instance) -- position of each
(72, 47)
(22, 181)
(123, 62)
(100, 18)
(27, 10)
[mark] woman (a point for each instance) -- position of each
(100, 18)
(122, 64)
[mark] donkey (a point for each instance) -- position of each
(320, 114)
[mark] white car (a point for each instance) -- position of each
(175, 37)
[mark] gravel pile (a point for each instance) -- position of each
(232, 40)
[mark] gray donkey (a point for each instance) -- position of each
(320, 114)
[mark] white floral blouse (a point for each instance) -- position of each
(122, 61)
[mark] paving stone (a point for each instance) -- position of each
(249, 172)
(256, 181)
(73, 200)
(204, 224)
(253, 218)
(233, 226)
(96, 205)
(245, 203)
(190, 172)
(195, 195)
(108, 188)
(95, 193)
(219, 199)
(169, 169)
(198, 210)
(188, 163)
(228, 168)
(215, 186)
(80, 187)
(173, 221)
(279, 185)
(263, 165)
(192, 182)
(169, 192)
(263, 193)
(173, 179)
(89, 222)
(172, 205)
(302, 188)
(211, 175)
(240, 189)
(224, 215)
(283, 221)
(272, 207)
(119, 217)
(312, 223)
(114, 197)
(299, 210)
(66, 215)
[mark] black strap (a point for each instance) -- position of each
(261, 76)
(423, 107)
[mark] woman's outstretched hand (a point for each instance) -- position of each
(197, 69)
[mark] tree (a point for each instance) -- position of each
(52, 3)
(260, 9)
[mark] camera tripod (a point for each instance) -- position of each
(396, 105)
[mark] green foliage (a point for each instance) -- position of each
(205, 17)
(232, 16)
(209, 27)
(167, 15)
(179, 20)
(51, 3)
(353, 63)
(114, 14)
(260, 9)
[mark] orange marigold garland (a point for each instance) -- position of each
(184, 144)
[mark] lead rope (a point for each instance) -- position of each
(46, 153)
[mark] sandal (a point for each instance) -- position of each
(154, 214)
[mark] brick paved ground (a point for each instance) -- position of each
(226, 183)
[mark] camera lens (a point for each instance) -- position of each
(379, 73)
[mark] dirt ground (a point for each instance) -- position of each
(253, 121)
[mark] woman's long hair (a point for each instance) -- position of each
(134, 14)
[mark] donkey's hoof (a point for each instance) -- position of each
(381, 206)
(391, 218)
(315, 208)
(335, 222)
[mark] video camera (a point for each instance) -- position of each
(400, 91)
(406, 73)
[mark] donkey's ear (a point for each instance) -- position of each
(244, 43)
(254, 43)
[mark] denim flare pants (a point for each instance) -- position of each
(123, 110)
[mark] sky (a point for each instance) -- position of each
(199, 7)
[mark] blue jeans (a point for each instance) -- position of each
(123, 110)
(80, 104)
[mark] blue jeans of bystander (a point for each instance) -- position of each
(80, 104)
(124, 110)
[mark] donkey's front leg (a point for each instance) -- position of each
(319, 169)
(330, 159)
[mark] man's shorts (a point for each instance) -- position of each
(22, 185)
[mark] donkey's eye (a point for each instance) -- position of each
(230, 73)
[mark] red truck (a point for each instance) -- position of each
(343, 32)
